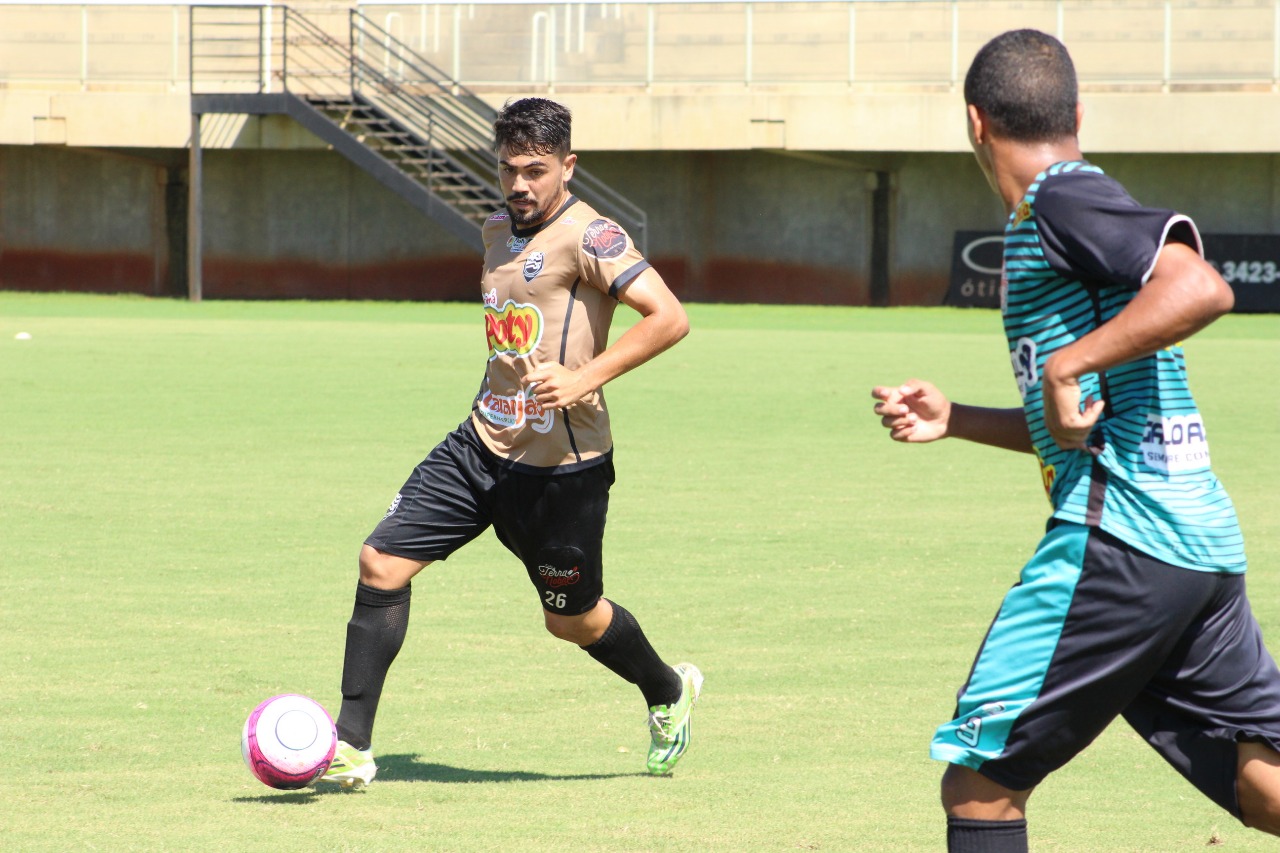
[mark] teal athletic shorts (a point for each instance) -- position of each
(1096, 629)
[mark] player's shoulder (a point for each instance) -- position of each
(1068, 186)
(497, 226)
(599, 236)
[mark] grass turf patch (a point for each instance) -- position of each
(184, 489)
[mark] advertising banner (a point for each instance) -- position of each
(1250, 263)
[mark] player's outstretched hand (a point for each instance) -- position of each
(914, 411)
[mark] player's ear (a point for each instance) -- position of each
(568, 161)
(977, 126)
(1079, 117)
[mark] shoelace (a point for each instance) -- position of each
(658, 721)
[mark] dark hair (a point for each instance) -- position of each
(533, 126)
(1025, 83)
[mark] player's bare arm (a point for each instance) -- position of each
(1183, 295)
(663, 322)
(917, 412)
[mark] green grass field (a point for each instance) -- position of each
(184, 489)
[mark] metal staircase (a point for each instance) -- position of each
(377, 102)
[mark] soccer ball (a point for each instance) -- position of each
(288, 741)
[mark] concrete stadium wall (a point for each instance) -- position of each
(88, 221)
(724, 226)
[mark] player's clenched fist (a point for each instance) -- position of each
(914, 411)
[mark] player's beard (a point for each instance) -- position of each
(534, 214)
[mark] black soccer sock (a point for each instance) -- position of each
(624, 649)
(374, 637)
(966, 835)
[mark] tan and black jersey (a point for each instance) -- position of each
(549, 294)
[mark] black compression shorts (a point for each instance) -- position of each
(553, 522)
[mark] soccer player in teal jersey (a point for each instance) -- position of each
(1134, 603)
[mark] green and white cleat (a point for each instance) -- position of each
(350, 767)
(670, 725)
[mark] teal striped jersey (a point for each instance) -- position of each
(1077, 249)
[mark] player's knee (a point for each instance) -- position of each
(583, 629)
(386, 571)
(567, 628)
(954, 789)
(1258, 787)
(1260, 809)
(967, 793)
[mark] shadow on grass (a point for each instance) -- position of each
(405, 767)
(296, 798)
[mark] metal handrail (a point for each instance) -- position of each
(472, 113)
(430, 104)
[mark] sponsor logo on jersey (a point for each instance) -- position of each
(517, 244)
(514, 329)
(559, 577)
(498, 217)
(490, 298)
(604, 240)
(532, 266)
(1175, 443)
(515, 412)
(1048, 473)
(1023, 358)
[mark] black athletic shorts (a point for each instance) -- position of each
(1096, 629)
(553, 522)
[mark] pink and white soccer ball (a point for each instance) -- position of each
(288, 741)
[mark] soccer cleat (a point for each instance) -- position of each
(350, 767)
(670, 725)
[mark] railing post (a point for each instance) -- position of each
(750, 37)
(853, 41)
(267, 45)
(456, 74)
(357, 41)
(284, 49)
(1168, 46)
(648, 48)
(84, 48)
(173, 53)
(191, 49)
(955, 43)
(537, 23)
(262, 13)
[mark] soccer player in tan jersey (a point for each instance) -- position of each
(535, 459)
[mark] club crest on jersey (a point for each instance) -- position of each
(517, 244)
(515, 412)
(1175, 443)
(532, 265)
(604, 240)
(514, 329)
(1021, 213)
(1023, 357)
